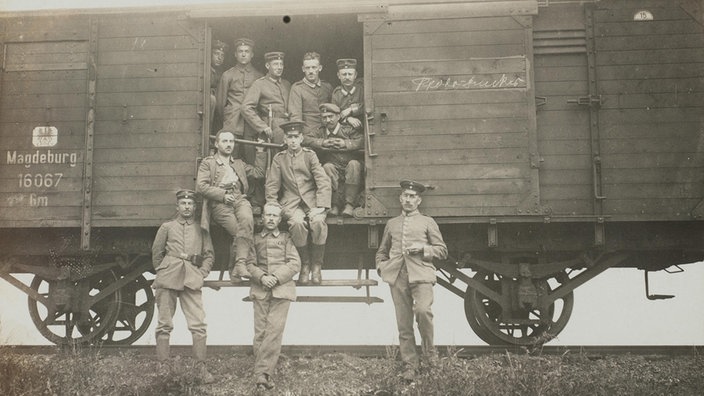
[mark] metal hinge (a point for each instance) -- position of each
(591, 100)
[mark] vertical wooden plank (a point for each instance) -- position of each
(87, 205)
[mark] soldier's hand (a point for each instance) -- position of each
(229, 199)
(346, 112)
(354, 122)
(268, 132)
(259, 148)
(416, 248)
(269, 281)
(339, 144)
(316, 211)
(327, 143)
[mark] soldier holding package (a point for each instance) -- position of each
(182, 255)
(410, 243)
(339, 150)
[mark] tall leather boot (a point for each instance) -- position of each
(242, 251)
(200, 349)
(304, 276)
(351, 193)
(317, 256)
(163, 350)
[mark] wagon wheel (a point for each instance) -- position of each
(61, 320)
(523, 326)
(136, 313)
(479, 329)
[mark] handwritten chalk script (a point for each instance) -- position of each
(473, 82)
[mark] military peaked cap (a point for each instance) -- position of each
(244, 41)
(412, 185)
(346, 64)
(221, 45)
(185, 194)
(270, 56)
(329, 108)
(292, 127)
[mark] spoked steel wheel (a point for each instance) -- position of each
(135, 315)
(71, 312)
(519, 326)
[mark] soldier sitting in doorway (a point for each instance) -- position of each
(223, 182)
(338, 147)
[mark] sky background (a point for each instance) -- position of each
(611, 309)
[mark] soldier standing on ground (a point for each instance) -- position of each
(297, 180)
(272, 266)
(182, 255)
(338, 147)
(404, 260)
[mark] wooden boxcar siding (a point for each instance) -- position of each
(43, 84)
(472, 141)
(651, 78)
(147, 130)
(559, 47)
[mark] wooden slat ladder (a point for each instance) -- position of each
(355, 283)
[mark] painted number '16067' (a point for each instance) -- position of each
(47, 180)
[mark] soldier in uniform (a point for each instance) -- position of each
(272, 266)
(223, 182)
(306, 95)
(182, 255)
(217, 58)
(298, 181)
(349, 95)
(404, 260)
(230, 93)
(338, 147)
(267, 99)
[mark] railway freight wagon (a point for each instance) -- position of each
(559, 139)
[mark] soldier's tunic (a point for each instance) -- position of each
(353, 98)
(213, 178)
(342, 166)
(411, 277)
(230, 94)
(275, 255)
(264, 92)
(299, 183)
(303, 102)
(177, 278)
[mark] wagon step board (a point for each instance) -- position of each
(356, 283)
(333, 299)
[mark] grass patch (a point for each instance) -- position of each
(89, 372)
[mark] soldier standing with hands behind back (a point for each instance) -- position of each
(404, 260)
(182, 255)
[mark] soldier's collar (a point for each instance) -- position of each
(296, 153)
(266, 232)
(334, 131)
(219, 161)
(414, 213)
(183, 221)
(310, 84)
(350, 92)
(273, 79)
